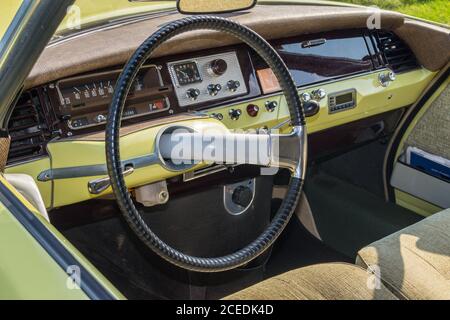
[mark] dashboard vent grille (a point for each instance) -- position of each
(398, 56)
(27, 129)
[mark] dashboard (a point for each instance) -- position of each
(342, 76)
(197, 82)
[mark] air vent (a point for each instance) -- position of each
(398, 56)
(27, 129)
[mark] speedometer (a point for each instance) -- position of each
(187, 73)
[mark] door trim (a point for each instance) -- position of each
(52, 245)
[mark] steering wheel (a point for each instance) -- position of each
(291, 153)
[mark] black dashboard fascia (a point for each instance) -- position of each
(320, 63)
(166, 89)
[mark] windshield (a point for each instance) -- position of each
(88, 13)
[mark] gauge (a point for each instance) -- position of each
(187, 73)
(83, 95)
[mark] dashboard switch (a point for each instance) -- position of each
(252, 110)
(271, 106)
(233, 85)
(235, 114)
(305, 96)
(311, 108)
(242, 196)
(192, 94)
(214, 89)
(319, 94)
(386, 78)
(100, 118)
(217, 116)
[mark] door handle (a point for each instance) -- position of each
(97, 186)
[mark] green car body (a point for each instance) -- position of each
(37, 262)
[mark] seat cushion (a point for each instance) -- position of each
(329, 281)
(27, 187)
(414, 263)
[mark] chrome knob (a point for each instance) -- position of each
(217, 116)
(214, 89)
(271, 106)
(319, 94)
(235, 114)
(100, 118)
(386, 78)
(305, 96)
(233, 85)
(192, 94)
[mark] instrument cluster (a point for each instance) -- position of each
(83, 101)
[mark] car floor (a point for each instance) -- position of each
(346, 197)
(140, 274)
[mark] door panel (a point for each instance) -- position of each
(35, 256)
(417, 166)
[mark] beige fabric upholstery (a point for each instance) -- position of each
(414, 263)
(432, 132)
(27, 187)
(330, 281)
(428, 42)
(5, 141)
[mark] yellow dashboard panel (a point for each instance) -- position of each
(79, 152)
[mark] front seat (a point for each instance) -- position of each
(413, 263)
(328, 281)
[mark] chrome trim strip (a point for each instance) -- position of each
(94, 170)
(203, 172)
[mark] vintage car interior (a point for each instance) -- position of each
(377, 111)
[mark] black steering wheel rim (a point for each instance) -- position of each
(114, 165)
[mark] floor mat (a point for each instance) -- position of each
(362, 167)
(140, 274)
(349, 217)
(298, 248)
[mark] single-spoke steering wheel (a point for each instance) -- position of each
(291, 151)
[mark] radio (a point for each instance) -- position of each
(341, 101)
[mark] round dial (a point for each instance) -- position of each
(187, 73)
(217, 67)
